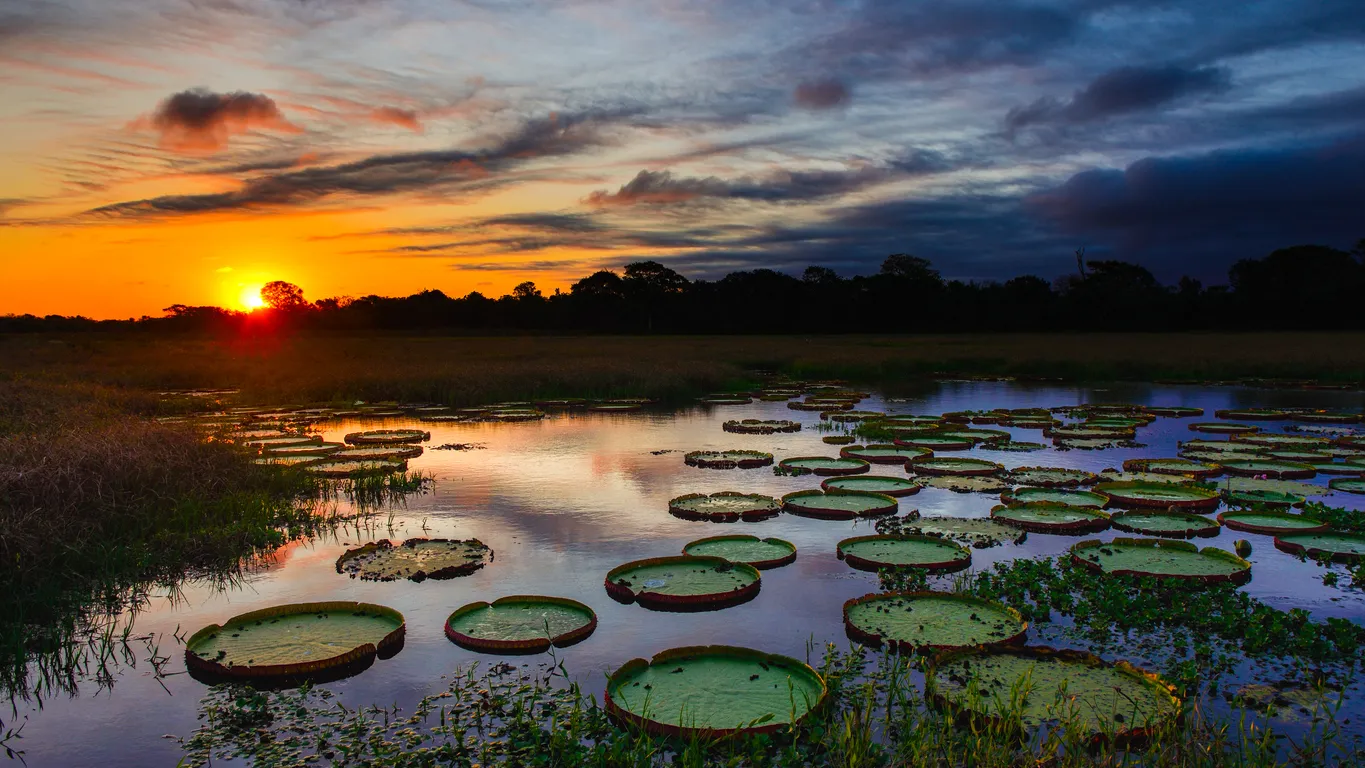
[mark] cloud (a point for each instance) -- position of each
(451, 170)
(1121, 91)
(200, 120)
(1206, 210)
(403, 118)
(822, 94)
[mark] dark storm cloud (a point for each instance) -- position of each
(1121, 91)
(821, 94)
(1215, 207)
(388, 174)
(200, 120)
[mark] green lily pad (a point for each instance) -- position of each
(724, 506)
(931, 553)
(1175, 411)
(1050, 477)
(295, 640)
(977, 435)
(1342, 547)
(1042, 517)
(1279, 470)
(935, 442)
(282, 442)
(683, 583)
(1183, 467)
(889, 486)
(713, 691)
(387, 436)
(1269, 440)
(1012, 446)
(728, 459)
(976, 532)
(339, 468)
(521, 624)
(1066, 496)
(931, 621)
(959, 484)
(363, 453)
(1222, 446)
(1271, 523)
(414, 559)
(1173, 525)
(824, 466)
(957, 467)
(1348, 484)
(761, 426)
(760, 553)
(1161, 558)
(288, 461)
(1143, 494)
(1079, 688)
(838, 506)
(1266, 498)
(883, 454)
(304, 449)
(1223, 428)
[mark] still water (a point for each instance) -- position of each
(562, 501)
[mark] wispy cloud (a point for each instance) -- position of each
(200, 120)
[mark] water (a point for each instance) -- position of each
(562, 501)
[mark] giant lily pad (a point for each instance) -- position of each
(1088, 432)
(712, 692)
(282, 441)
(397, 451)
(683, 583)
(761, 426)
(883, 454)
(1079, 688)
(1042, 517)
(288, 461)
(1175, 411)
(1050, 477)
(1271, 523)
(824, 466)
(844, 505)
(728, 459)
(1266, 498)
(1162, 495)
(341, 468)
(1065, 496)
(1222, 446)
(724, 507)
(1013, 446)
(308, 449)
(842, 417)
(304, 640)
(1162, 559)
(959, 484)
(931, 621)
(1283, 441)
(1341, 547)
(976, 532)
(889, 486)
(415, 559)
(1168, 525)
(521, 624)
(1279, 470)
(977, 435)
(760, 553)
(930, 553)
(957, 467)
(1223, 428)
(387, 436)
(935, 442)
(1182, 467)
(1348, 484)
(1252, 414)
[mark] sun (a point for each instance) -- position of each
(251, 298)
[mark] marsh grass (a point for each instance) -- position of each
(535, 715)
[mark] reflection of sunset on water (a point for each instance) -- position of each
(563, 500)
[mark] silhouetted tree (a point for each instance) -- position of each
(283, 296)
(526, 291)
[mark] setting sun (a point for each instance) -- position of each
(251, 298)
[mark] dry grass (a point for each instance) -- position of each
(469, 370)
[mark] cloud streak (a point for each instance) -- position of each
(200, 120)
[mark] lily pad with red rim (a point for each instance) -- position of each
(1271, 523)
(1067, 496)
(1163, 559)
(845, 505)
(333, 467)
(884, 454)
(824, 466)
(1279, 470)
(735, 459)
(935, 442)
(975, 532)
(761, 426)
(415, 559)
(954, 466)
(1183, 467)
(889, 486)
(760, 553)
(724, 506)
(1348, 484)
(387, 436)
(930, 553)
(1050, 477)
(959, 484)
(683, 583)
(1223, 428)
(911, 622)
(520, 624)
(1042, 517)
(713, 692)
(1159, 495)
(1168, 525)
(1341, 547)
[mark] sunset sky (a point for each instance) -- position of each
(183, 151)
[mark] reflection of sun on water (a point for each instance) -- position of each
(251, 297)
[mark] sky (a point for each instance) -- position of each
(187, 151)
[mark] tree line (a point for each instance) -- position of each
(1298, 288)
